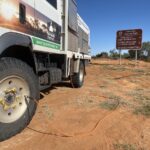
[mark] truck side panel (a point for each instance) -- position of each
(78, 32)
(10, 16)
(83, 43)
(48, 22)
(26, 17)
(72, 27)
(72, 11)
(84, 36)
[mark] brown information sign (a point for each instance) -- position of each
(129, 39)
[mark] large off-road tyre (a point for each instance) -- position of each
(18, 89)
(78, 78)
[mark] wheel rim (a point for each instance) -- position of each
(12, 98)
(81, 75)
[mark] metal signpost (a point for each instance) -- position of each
(129, 40)
(120, 57)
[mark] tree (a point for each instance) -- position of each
(114, 53)
(104, 55)
(126, 55)
(132, 53)
(144, 53)
(146, 49)
(101, 55)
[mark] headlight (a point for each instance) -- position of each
(7, 10)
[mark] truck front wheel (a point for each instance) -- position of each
(18, 84)
(78, 78)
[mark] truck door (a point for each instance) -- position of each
(48, 24)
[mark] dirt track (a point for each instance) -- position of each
(111, 112)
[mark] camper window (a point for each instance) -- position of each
(53, 3)
(22, 13)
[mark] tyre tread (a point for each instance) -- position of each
(7, 64)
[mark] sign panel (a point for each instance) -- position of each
(129, 39)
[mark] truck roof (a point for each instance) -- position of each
(83, 25)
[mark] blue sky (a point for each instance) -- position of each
(105, 17)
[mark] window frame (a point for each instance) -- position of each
(55, 6)
(22, 13)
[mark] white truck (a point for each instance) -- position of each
(42, 42)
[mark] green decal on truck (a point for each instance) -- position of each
(44, 43)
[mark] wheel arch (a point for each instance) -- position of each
(17, 46)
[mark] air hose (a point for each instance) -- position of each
(64, 135)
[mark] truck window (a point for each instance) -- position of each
(53, 3)
(22, 13)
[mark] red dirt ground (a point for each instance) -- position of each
(80, 119)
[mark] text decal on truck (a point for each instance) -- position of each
(44, 43)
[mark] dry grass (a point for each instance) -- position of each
(48, 112)
(124, 147)
(141, 100)
(143, 110)
(112, 103)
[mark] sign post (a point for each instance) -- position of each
(129, 40)
(136, 57)
(120, 59)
